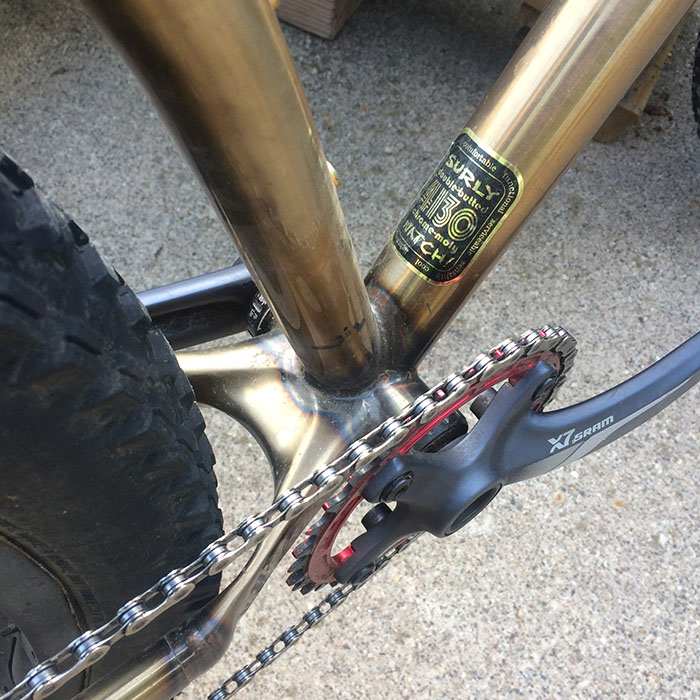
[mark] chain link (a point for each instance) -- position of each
(133, 616)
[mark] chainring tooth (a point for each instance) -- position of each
(304, 548)
(298, 565)
(296, 577)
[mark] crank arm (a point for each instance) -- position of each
(550, 440)
(510, 443)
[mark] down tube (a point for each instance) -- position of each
(222, 75)
(569, 73)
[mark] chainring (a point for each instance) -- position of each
(315, 564)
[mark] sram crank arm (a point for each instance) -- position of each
(510, 443)
(549, 440)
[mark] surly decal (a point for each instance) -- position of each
(457, 211)
(571, 436)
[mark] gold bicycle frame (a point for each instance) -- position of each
(222, 75)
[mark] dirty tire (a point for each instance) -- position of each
(106, 479)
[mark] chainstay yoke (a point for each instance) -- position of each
(91, 646)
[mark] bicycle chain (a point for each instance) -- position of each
(293, 634)
(140, 611)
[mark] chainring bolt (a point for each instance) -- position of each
(546, 388)
(363, 574)
(481, 402)
(376, 516)
(397, 487)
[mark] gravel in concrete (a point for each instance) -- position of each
(583, 584)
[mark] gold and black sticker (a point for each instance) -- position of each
(457, 211)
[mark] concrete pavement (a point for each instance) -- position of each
(583, 584)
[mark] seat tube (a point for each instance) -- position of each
(222, 74)
(565, 78)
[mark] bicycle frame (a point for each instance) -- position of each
(347, 354)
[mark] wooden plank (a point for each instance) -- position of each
(530, 11)
(325, 18)
(631, 106)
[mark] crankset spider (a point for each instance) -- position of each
(316, 563)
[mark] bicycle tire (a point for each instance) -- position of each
(106, 479)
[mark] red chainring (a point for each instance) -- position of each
(322, 563)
